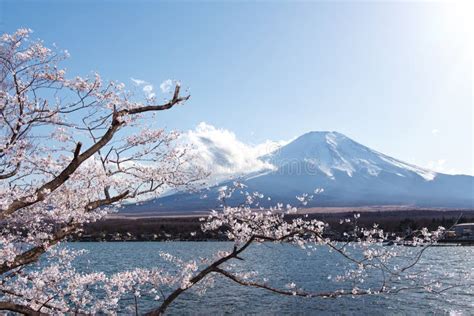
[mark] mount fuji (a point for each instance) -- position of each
(350, 173)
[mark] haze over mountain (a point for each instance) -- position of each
(350, 173)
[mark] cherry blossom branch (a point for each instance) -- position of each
(33, 254)
(198, 277)
(17, 308)
(246, 226)
(294, 292)
(78, 159)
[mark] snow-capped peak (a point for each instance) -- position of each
(331, 152)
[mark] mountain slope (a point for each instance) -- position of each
(350, 174)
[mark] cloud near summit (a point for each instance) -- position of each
(219, 151)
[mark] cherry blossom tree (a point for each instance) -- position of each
(65, 160)
(73, 150)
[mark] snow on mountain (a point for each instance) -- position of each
(330, 151)
(350, 173)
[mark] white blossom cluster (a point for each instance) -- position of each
(64, 162)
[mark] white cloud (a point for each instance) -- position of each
(147, 87)
(435, 132)
(138, 82)
(268, 146)
(220, 152)
(166, 85)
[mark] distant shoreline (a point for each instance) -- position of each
(302, 211)
(188, 227)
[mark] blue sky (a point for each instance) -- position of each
(395, 76)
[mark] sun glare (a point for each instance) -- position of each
(460, 13)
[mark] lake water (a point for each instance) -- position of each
(283, 264)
